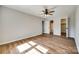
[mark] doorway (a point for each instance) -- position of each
(63, 27)
(51, 27)
(42, 27)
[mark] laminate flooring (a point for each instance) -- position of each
(42, 44)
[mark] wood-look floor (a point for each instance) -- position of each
(43, 44)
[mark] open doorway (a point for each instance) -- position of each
(42, 27)
(63, 27)
(51, 27)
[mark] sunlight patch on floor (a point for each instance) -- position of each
(23, 47)
(42, 49)
(33, 51)
(34, 48)
(32, 43)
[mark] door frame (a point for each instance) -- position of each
(50, 26)
(67, 26)
(43, 27)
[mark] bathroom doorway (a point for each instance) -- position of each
(51, 27)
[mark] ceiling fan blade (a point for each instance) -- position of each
(51, 11)
(50, 14)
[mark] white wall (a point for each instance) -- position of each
(72, 26)
(1, 34)
(17, 25)
(77, 28)
(57, 26)
(60, 13)
(46, 26)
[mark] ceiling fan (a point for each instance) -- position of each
(48, 11)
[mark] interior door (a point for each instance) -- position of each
(67, 27)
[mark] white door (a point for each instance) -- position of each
(67, 27)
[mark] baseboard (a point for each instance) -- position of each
(44, 33)
(75, 43)
(77, 46)
(19, 39)
(71, 38)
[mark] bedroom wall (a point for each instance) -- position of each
(17, 25)
(72, 24)
(0, 26)
(60, 13)
(77, 28)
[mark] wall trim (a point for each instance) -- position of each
(19, 39)
(77, 45)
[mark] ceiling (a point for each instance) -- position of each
(36, 10)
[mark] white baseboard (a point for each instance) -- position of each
(18, 39)
(77, 45)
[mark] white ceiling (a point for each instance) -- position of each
(36, 10)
